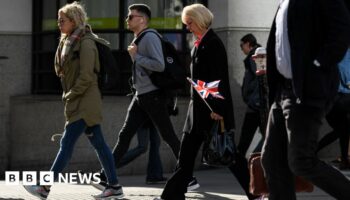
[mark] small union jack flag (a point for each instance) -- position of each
(204, 89)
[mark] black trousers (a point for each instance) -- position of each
(145, 107)
(250, 123)
(290, 148)
(339, 119)
(176, 186)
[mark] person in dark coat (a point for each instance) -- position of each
(307, 40)
(209, 63)
(251, 97)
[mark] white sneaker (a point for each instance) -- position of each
(37, 190)
(111, 192)
(193, 184)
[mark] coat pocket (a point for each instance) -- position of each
(71, 107)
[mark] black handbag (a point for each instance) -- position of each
(219, 148)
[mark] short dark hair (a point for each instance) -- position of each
(141, 8)
(251, 39)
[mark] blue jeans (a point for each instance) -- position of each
(94, 134)
(144, 134)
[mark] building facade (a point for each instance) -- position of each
(30, 103)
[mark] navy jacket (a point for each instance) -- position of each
(250, 85)
(318, 30)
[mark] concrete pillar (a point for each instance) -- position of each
(232, 20)
(15, 69)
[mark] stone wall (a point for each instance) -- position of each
(15, 79)
(34, 119)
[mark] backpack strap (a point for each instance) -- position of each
(139, 38)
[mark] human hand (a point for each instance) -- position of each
(215, 116)
(132, 49)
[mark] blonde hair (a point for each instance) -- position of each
(75, 12)
(199, 14)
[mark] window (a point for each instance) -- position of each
(107, 20)
(103, 15)
(165, 14)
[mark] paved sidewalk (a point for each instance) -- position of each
(216, 184)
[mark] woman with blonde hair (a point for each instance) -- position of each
(76, 63)
(209, 63)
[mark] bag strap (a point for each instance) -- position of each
(139, 38)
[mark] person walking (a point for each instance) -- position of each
(149, 103)
(209, 63)
(76, 61)
(251, 97)
(307, 40)
(146, 134)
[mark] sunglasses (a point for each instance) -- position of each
(130, 17)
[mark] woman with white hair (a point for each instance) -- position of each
(76, 64)
(209, 63)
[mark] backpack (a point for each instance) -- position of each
(108, 74)
(171, 99)
(174, 75)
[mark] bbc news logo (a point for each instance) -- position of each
(47, 178)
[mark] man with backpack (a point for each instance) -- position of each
(149, 102)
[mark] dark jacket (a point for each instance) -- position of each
(209, 63)
(318, 30)
(250, 85)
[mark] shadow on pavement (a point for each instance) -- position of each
(198, 196)
(10, 199)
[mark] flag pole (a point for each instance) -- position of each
(191, 81)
